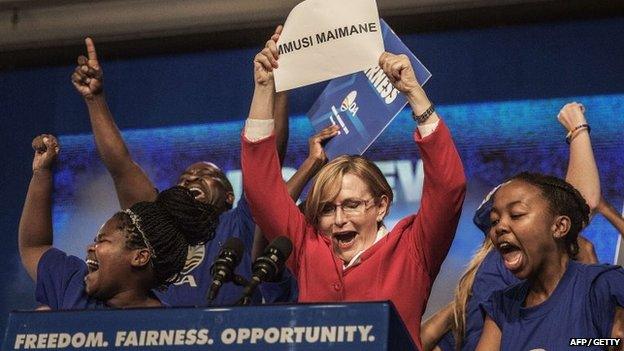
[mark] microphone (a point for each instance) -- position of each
(222, 269)
(268, 266)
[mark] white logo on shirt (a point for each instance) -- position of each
(194, 257)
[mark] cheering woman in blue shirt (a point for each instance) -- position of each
(535, 222)
(136, 250)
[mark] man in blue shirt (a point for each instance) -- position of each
(205, 180)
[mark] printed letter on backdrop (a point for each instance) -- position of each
(325, 39)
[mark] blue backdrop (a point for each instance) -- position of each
(499, 89)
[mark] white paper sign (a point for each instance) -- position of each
(325, 39)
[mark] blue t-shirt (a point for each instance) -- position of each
(60, 282)
(196, 278)
(491, 276)
(582, 306)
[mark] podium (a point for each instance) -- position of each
(350, 326)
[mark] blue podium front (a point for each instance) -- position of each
(353, 326)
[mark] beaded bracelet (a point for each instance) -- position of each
(571, 134)
(424, 116)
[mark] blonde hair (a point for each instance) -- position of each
(464, 291)
(328, 182)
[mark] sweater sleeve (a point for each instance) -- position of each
(271, 206)
(444, 189)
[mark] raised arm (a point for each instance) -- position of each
(35, 227)
(582, 170)
(131, 182)
(434, 328)
(612, 215)
(272, 206)
(444, 186)
(280, 113)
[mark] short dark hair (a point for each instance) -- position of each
(563, 199)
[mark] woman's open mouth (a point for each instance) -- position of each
(513, 257)
(344, 240)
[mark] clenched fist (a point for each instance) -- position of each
(46, 149)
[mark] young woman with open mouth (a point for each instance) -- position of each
(535, 222)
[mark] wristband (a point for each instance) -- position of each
(571, 134)
(424, 116)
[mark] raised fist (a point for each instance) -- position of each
(87, 77)
(46, 149)
(399, 70)
(572, 115)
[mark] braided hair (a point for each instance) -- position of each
(563, 199)
(167, 227)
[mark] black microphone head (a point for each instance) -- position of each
(222, 270)
(236, 246)
(272, 261)
(281, 246)
(229, 256)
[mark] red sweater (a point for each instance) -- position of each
(401, 267)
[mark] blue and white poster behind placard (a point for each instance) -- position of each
(363, 103)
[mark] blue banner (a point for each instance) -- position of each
(363, 103)
(355, 326)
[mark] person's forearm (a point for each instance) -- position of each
(612, 215)
(444, 189)
(582, 171)
(306, 171)
(35, 227)
(262, 102)
(419, 102)
(108, 139)
(280, 113)
(434, 328)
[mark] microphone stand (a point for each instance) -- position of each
(245, 300)
(237, 280)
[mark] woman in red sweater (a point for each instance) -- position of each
(342, 250)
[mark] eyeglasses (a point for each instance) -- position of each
(350, 207)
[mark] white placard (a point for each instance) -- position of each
(325, 39)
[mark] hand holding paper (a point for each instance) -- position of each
(324, 39)
(266, 60)
(364, 103)
(262, 102)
